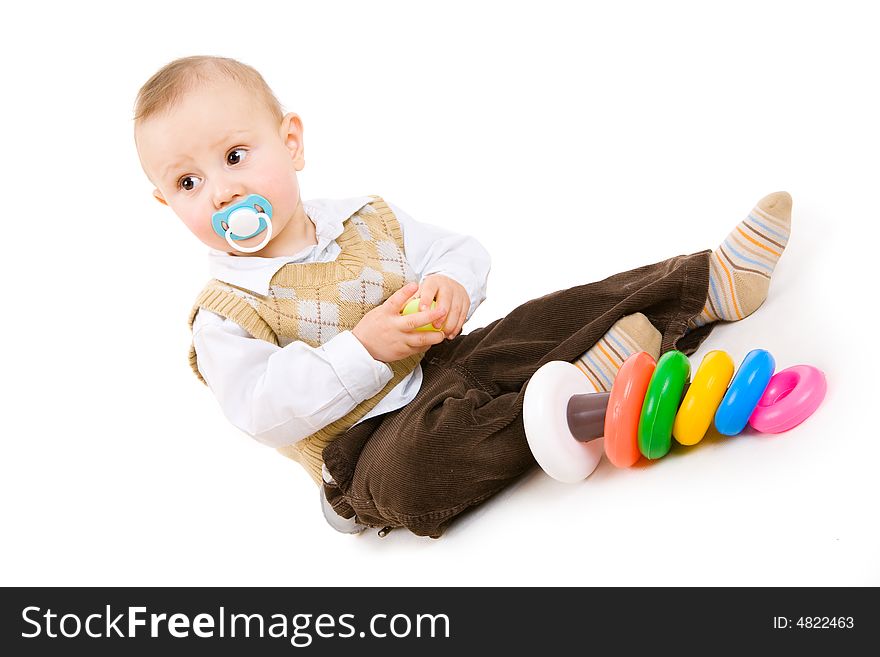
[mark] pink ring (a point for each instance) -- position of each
(792, 396)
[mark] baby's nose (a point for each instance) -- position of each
(226, 195)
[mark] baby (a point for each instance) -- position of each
(300, 333)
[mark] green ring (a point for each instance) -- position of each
(661, 404)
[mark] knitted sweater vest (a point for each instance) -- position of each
(315, 301)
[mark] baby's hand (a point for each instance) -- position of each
(390, 336)
(451, 297)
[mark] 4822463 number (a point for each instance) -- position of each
(814, 622)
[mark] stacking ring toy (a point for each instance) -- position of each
(746, 389)
(790, 398)
(661, 403)
(625, 408)
(703, 397)
(549, 433)
(563, 417)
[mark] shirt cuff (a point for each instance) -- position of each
(360, 373)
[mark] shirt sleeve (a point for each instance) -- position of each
(279, 395)
(434, 250)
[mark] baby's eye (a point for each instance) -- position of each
(236, 156)
(189, 183)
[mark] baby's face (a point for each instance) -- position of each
(218, 144)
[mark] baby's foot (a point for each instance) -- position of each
(740, 269)
(627, 336)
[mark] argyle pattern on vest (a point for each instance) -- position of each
(313, 302)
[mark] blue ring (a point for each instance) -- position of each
(745, 391)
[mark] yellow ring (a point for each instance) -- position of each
(703, 398)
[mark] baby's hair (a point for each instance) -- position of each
(170, 82)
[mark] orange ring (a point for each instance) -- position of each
(625, 409)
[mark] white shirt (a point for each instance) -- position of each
(281, 394)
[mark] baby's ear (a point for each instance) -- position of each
(292, 135)
(158, 196)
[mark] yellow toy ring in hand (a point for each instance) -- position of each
(412, 306)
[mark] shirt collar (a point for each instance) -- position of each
(255, 273)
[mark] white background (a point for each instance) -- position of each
(575, 140)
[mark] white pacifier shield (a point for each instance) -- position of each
(247, 221)
(545, 417)
(244, 221)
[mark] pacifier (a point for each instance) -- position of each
(244, 220)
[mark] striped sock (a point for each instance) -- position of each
(627, 336)
(740, 269)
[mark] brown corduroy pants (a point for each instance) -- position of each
(461, 439)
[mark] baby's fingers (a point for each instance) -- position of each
(454, 319)
(428, 292)
(423, 340)
(398, 300)
(415, 320)
(462, 317)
